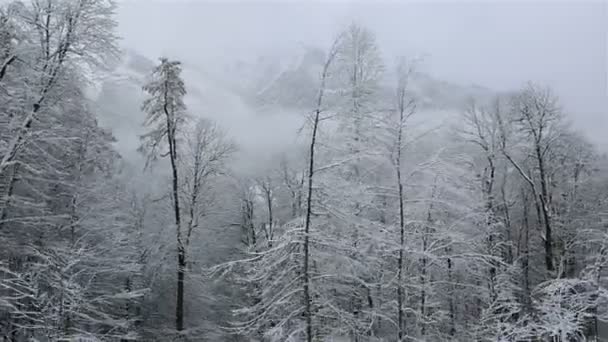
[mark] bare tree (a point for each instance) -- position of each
(205, 155)
(293, 179)
(395, 126)
(268, 189)
(360, 68)
(246, 196)
(538, 117)
(482, 130)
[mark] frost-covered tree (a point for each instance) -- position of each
(61, 34)
(59, 213)
(64, 216)
(378, 225)
(166, 112)
(537, 118)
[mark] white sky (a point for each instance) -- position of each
(499, 45)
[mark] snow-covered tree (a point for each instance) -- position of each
(166, 113)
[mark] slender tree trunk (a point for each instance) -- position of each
(300, 194)
(294, 205)
(5, 65)
(507, 221)
(402, 107)
(311, 171)
(423, 285)
(400, 295)
(11, 178)
(307, 303)
(4, 209)
(179, 307)
(544, 197)
(128, 288)
(181, 251)
(270, 220)
(250, 225)
(452, 311)
(602, 260)
(424, 271)
(491, 225)
(526, 258)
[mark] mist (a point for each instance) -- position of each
(303, 171)
(499, 45)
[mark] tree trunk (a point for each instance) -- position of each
(270, 236)
(128, 288)
(181, 251)
(451, 296)
(11, 178)
(401, 316)
(544, 196)
(507, 222)
(5, 65)
(311, 171)
(525, 260)
(491, 226)
(307, 304)
(179, 307)
(423, 271)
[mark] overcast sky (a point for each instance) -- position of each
(499, 45)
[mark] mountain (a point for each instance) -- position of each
(259, 103)
(292, 82)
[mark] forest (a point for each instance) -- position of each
(384, 221)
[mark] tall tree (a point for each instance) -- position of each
(538, 119)
(394, 138)
(359, 69)
(316, 119)
(166, 112)
(205, 155)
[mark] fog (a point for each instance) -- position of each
(303, 171)
(499, 45)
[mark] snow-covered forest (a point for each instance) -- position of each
(394, 206)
